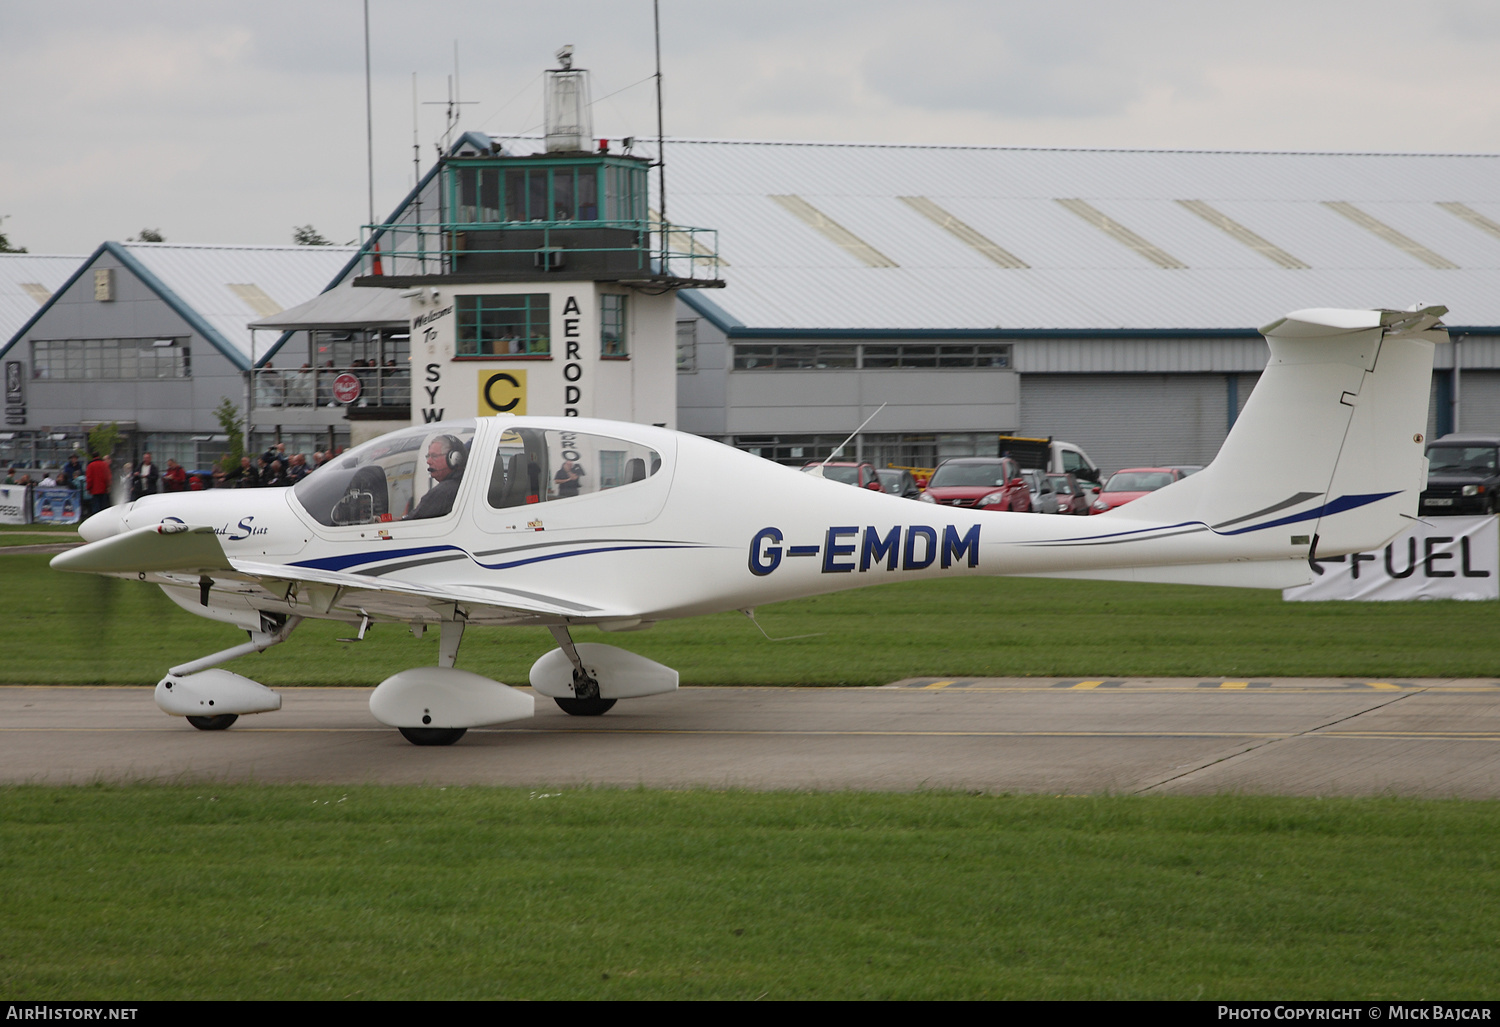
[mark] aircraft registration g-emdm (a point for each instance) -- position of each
(490, 522)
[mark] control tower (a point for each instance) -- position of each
(541, 282)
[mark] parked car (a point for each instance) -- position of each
(899, 482)
(1132, 483)
(987, 482)
(862, 475)
(1072, 498)
(1043, 492)
(1185, 469)
(1463, 474)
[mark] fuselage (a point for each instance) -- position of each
(665, 525)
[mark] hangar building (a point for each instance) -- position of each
(1106, 297)
(152, 336)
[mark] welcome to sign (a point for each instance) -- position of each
(1442, 558)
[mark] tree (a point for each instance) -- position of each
(228, 416)
(307, 235)
(103, 438)
(148, 235)
(6, 247)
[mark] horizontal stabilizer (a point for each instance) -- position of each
(158, 547)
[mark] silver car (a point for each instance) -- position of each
(1043, 493)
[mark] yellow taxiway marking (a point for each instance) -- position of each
(1088, 684)
(1235, 684)
(1385, 685)
(938, 684)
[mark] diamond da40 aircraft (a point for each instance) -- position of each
(563, 522)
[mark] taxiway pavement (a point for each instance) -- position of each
(1284, 736)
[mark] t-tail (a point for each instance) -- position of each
(1328, 455)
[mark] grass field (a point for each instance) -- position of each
(80, 629)
(302, 892)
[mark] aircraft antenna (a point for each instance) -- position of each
(855, 432)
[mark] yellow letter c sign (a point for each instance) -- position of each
(502, 392)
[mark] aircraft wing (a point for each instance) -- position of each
(486, 603)
(184, 556)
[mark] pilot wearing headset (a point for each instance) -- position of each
(445, 462)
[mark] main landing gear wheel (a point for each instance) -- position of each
(218, 722)
(595, 707)
(432, 735)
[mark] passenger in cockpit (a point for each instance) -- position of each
(445, 462)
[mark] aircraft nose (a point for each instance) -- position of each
(103, 524)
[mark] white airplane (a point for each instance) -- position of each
(564, 522)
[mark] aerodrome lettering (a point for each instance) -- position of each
(573, 368)
(848, 548)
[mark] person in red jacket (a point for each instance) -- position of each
(174, 478)
(97, 479)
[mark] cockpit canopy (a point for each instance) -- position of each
(415, 473)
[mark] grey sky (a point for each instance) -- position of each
(232, 122)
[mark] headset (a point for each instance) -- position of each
(455, 451)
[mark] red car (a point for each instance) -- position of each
(989, 483)
(1133, 483)
(862, 475)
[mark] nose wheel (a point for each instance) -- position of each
(432, 735)
(218, 722)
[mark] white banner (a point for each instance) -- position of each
(12, 504)
(1443, 558)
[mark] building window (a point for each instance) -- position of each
(513, 325)
(909, 355)
(110, 359)
(766, 357)
(794, 358)
(687, 345)
(612, 341)
(916, 452)
(487, 194)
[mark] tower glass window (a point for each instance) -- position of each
(509, 325)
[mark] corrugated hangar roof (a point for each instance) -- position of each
(218, 289)
(999, 237)
(230, 286)
(27, 281)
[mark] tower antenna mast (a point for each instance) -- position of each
(661, 160)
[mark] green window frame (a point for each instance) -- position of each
(508, 324)
(613, 340)
(489, 195)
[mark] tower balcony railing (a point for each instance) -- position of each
(607, 250)
(309, 387)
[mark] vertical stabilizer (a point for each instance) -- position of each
(1330, 444)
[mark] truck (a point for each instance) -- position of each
(1051, 456)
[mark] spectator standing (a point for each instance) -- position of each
(174, 478)
(72, 471)
(249, 475)
(297, 469)
(145, 477)
(97, 478)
